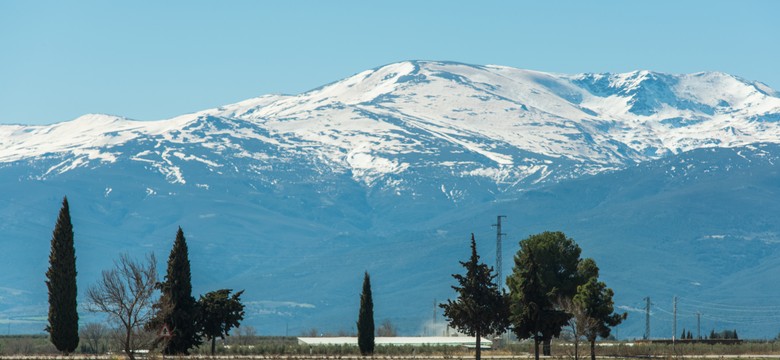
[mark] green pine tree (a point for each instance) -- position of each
(365, 323)
(557, 271)
(481, 309)
(528, 303)
(63, 325)
(218, 313)
(176, 308)
(596, 298)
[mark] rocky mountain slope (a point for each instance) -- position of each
(292, 197)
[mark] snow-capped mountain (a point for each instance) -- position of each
(292, 197)
(507, 125)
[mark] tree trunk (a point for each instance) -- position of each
(536, 348)
(546, 347)
(479, 346)
(128, 350)
(576, 349)
(593, 349)
(213, 344)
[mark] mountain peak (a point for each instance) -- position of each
(505, 124)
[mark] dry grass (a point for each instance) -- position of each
(287, 348)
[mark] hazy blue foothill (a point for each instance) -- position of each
(295, 217)
(658, 229)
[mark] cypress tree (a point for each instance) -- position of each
(365, 323)
(63, 325)
(176, 307)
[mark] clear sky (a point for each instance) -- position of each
(151, 60)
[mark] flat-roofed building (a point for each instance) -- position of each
(465, 341)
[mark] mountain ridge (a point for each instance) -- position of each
(388, 170)
(513, 121)
(370, 90)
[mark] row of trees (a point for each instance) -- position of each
(550, 288)
(126, 294)
(725, 334)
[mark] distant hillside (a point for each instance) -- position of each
(668, 181)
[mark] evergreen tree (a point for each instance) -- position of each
(596, 298)
(481, 309)
(684, 335)
(528, 302)
(63, 325)
(558, 270)
(176, 308)
(218, 313)
(365, 323)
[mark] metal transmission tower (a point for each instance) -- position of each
(647, 319)
(499, 252)
(698, 325)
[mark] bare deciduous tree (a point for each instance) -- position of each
(387, 329)
(245, 335)
(125, 295)
(92, 335)
(579, 324)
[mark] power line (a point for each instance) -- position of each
(727, 307)
(671, 313)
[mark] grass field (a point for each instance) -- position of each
(31, 347)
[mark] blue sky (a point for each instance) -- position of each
(151, 60)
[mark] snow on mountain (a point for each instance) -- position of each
(293, 197)
(372, 123)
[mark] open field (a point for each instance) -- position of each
(30, 347)
(358, 357)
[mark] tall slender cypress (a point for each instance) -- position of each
(63, 325)
(176, 307)
(365, 323)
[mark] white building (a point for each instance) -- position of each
(465, 341)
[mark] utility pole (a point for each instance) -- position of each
(499, 252)
(647, 319)
(674, 325)
(698, 325)
(433, 331)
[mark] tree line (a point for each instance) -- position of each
(174, 321)
(551, 288)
